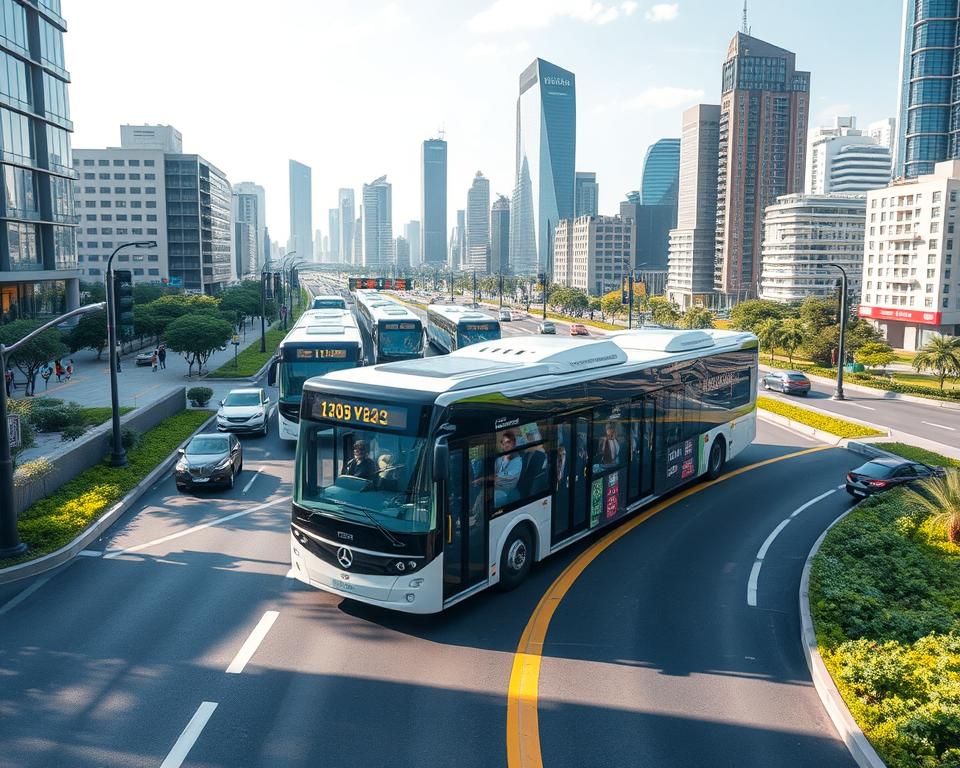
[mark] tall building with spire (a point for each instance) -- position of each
(764, 113)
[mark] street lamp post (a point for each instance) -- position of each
(263, 305)
(841, 352)
(118, 454)
(10, 544)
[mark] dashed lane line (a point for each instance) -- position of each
(252, 480)
(189, 736)
(938, 426)
(21, 596)
(252, 643)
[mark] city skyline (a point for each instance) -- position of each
(616, 113)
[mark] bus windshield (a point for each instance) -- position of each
(330, 303)
(401, 342)
(475, 333)
(294, 374)
(356, 474)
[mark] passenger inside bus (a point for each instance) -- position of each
(507, 470)
(388, 478)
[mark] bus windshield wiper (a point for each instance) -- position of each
(386, 533)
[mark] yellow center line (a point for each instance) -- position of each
(523, 729)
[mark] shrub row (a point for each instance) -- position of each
(817, 420)
(57, 519)
(885, 598)
(913, 453)
(251, 359)
(870, 380)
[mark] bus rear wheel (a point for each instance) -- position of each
(516, 558)
(718, 456)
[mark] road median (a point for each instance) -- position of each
(817, 424)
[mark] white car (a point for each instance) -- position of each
(244, 410)
(505, 315)
(516, 314)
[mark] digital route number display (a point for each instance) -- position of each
(399, 326)
(379, 283)
(476, 327)
(366, 415)
(321, 354)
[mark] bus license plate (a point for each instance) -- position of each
(344, 585)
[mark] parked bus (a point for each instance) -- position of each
(422, 482)
(395, 333)
(328, 301)
(450, 327)
(322, 340)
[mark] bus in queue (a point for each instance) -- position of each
(422, 482)
(395, 333)
(450, 327)
(322, 340)
(328, 301)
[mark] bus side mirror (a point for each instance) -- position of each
(441, 459)
(272, 372)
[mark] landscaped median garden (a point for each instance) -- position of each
(54, 521)
(816, 419)
(885, 599)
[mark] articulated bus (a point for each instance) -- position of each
(450, 327)
(422, 482)
(394, 331)
(323, 340)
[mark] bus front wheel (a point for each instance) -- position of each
(718, 455)
(516, 558)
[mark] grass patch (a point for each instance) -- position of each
(925, 380)
(817, 420)
(93, 417)
(913, 453)
(885, 598)
(250, 360)
(57, 519)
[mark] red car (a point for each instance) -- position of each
(578, 329)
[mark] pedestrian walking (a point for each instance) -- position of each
(45, 374)
(58, 367)
(162, 356)
(8, 379)
(154, 360)
(69, 370)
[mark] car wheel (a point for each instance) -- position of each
(804, 394)
(516, 558)
(785, 390)
(765, 385)
(718, 455)
(231, 480)
(266, 429)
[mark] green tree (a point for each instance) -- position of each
(89, 333)
(941, 355)
(611, 305)
(817, 313)
(697, 317)
(747, 315)
(875, 354)
(859, 333)
(596, 305)
(144, 293)
(768, 334)
(93, 293)
(791, 336)
(663, 312)
(196, 337)
(35, 353)
(938, 499)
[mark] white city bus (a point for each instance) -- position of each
(395, 333)
(450, 327)
(322, 340)
(422, 482)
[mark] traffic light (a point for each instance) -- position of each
(625, 290)
(266, 285)
(123, 303)
(294, 281)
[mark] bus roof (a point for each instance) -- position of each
(526, 361)
(381, 307)
(458, 313)
(324, 325)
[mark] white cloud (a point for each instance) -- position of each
(510, 15)
(666, 97)
(663, 12)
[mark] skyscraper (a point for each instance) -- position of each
(477, 250)
(764, 109)
(301, 210)
(348, 217)
(586, 194)
(661, 172)
(458, 238)
(333, 223)
(545, 154)
(693, 243)
(500, 236)
(843, 158)
(377, 216)
(411, 231)
(433, 201)
(249, 207)
(402, 250)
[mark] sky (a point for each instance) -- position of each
(352, 89)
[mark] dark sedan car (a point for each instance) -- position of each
(209, 459)
(788, 382)
(883, 474)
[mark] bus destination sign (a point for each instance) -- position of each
(321, 354)
(379, 283)
(362, 414)
(399, 326)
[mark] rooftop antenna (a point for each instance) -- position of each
(746, 28)
(442, 132)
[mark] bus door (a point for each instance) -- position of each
(643, 428)
(571, 496)
(465, 527)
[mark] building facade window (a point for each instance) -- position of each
(23, 246)
(20, 192)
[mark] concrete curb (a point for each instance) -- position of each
(818, 434)
(883, 394)
(68, 552)
(857, 743)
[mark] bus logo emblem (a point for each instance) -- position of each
(344, 536)
(345, 557)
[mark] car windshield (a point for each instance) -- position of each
(354, 474)
(401, 342)
(329, 304)
(203, 444)
(873, 469)
(242, 398)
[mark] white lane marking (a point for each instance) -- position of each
(255, 475)
(189, 736)
(253, 642)
(857, 405)
(163, 539)
(940, 426)
(21, 596)
(90, 553)
(762, 552)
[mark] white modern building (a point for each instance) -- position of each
(911, 286)
(349, 253)
(804, 233)
(883, 131)
(593, 253)
(842, 158)
(249, 207)
(476, 255)
(377, 216)
(411, 231)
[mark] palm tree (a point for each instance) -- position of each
(768, 333)
(791, 336)
(939, 499)
(941, 355)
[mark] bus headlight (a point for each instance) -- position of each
(414, 583)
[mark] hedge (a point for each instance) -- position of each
(885, 598)
(817, 420)
(913, 453)
(873, 381)
(56, 520)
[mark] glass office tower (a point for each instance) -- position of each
(301, 210)
(546, 150)
(661, 173)
(433, 203)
